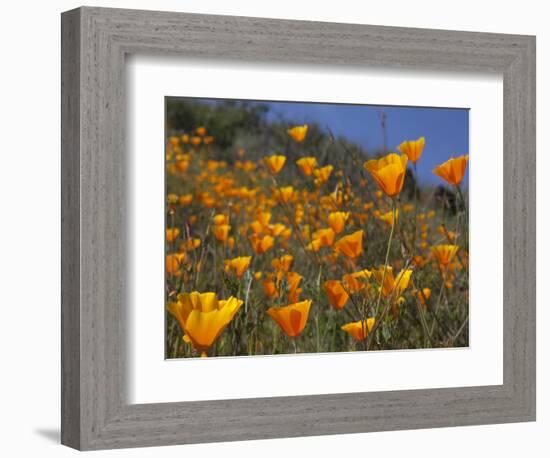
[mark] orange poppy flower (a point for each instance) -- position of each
(444, 253)
(220, 220)
(186, 199)
(323, 174)
(270, 288)
(336, 294)
(190, 244)
(261, 244)
(285, 194)
(388, 172)
(423, 295)
(412, 148)
(453, 170)
(325, 237)
(221, 231)
(350, 245)
(173, 263)
(238, 265)
(359, 330)
(284, 263)
(298, 133)
(172, 199)
(337, 221)
(356, 281)
(388, 217)
(202, 317)
(291, 318)
(172, 234)
(275, 163)
(307, 165)
(393, 286)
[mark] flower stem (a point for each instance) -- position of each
(415, 209)
(377, 322)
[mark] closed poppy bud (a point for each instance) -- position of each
(230, 242)
(293, 279)
(388, 172)
(412, 148)
(270, 289)
(423, 295)
(275, 163)
(453, 170)
(173, 262)
(291, 318)
(359, 330)
(298, 133)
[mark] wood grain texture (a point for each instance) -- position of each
(95, 413)
(70, 229)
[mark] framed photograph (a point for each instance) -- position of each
(281, 228)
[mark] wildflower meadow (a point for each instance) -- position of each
(284, 237)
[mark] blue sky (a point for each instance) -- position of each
(445, 129)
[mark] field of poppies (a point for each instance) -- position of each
(289, 240)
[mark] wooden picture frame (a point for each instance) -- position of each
(95, 413)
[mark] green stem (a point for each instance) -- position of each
(377, 323)
(415, 209)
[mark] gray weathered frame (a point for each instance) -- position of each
(95, 41)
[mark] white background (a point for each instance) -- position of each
(30, 246)
(150, 79)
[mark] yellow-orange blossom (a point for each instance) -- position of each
(453, 170)
(388, 172)
(202, 317)
(291, 318)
